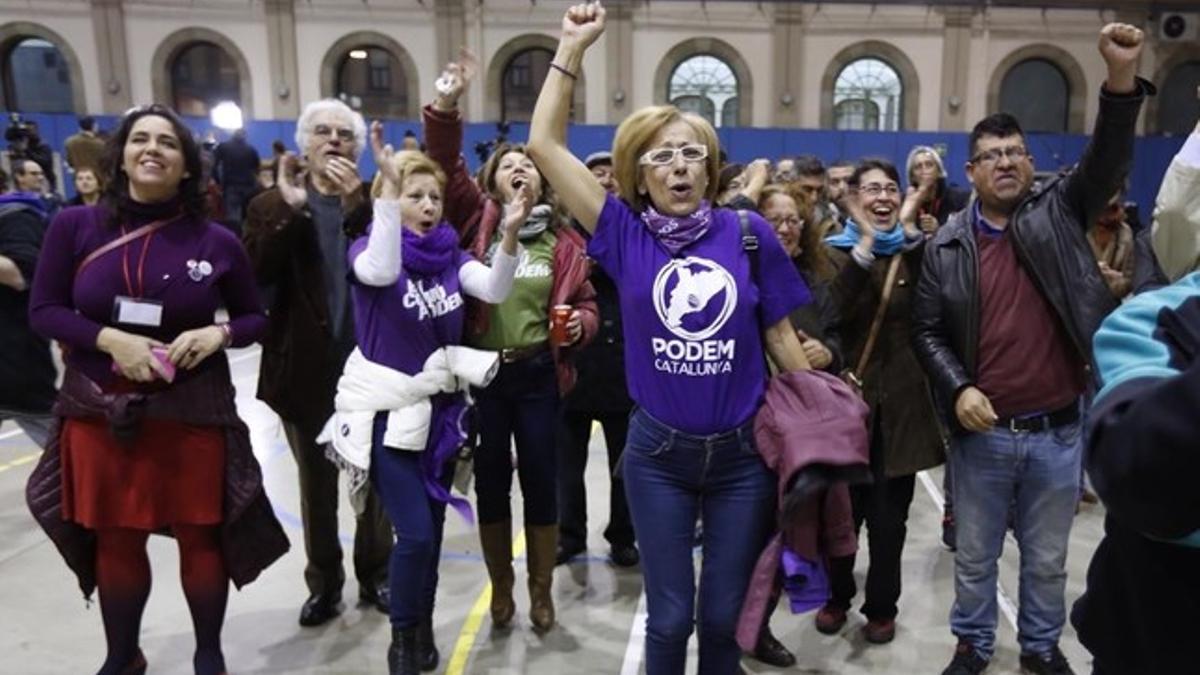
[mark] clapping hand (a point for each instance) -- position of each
(290, 181)
(384, 156)
(518, 210)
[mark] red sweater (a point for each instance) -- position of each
(1026, 361)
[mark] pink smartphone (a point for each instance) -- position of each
(160, 353)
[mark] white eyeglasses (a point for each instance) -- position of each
(664, 156)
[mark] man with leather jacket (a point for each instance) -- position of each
(1008, 300)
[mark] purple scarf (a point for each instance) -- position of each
(447, 433)
(429, 254)
(677, 232)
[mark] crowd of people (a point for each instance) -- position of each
(774, 351)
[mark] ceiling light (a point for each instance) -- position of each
(358, 54)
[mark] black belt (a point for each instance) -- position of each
(521, 353)
(1046, 422)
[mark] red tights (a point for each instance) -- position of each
(123, 579)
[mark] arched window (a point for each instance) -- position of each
(522, 82)
(1178, 117)
(1037, 93)
(203, 75)
(867, 96)
(36, 77)
(371, 81)
(705, 85)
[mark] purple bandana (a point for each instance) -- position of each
(427, 255)
(677, 232)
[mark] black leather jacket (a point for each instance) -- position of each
(1049, 233)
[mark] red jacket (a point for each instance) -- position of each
(476, 215)
(808, 418)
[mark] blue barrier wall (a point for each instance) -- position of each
(1152, 155)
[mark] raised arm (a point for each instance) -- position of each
(1109, 154)
(443, 143)
(575, 186)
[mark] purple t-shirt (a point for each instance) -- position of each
(693, 348)
(400, 325)
(74, 308)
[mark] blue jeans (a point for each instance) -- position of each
(670, 478)
(418, 521)
(521, 403)
(1037, 474)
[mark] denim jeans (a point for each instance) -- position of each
(521, 403)
(670, 479)
(418, 520)
(1037, 474)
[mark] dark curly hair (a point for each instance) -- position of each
(116, 192)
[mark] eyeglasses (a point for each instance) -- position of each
(1014, 153)
(875, 189)
(790, 222)
(325, 131)
(665, 156)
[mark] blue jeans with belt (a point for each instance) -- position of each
(671, 478)
(1037, 473)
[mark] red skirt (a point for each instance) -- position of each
(173, 474)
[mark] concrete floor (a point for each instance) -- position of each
(45, 626)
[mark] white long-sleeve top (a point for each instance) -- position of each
(1176, 229)
(379, 264)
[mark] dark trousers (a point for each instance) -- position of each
(574, 432)
(236, 197)
(521, 403)
(418, 519)
(883, 506)
(318, 511)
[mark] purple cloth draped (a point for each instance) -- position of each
(447, 433)
(805, 582)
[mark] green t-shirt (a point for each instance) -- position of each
(523, 319)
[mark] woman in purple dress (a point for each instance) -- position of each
(147, 437)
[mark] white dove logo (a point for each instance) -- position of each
(697, 282)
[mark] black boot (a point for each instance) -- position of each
(426, 648)
(402, 653)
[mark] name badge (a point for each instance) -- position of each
(137, 312)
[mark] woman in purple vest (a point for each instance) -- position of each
(696, 324)
(148, 434)
(408, 282)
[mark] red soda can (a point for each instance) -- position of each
(559, 316)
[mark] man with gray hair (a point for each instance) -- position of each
(297, 234)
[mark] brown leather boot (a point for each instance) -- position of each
(542, 546)
(496, 540)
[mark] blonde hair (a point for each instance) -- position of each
(408, 163)
(634, 137)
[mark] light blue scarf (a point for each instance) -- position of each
(886, 243)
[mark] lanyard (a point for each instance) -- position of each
(141, 271)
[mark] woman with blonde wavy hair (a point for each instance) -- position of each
(696, 323)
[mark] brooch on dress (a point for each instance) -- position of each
(197, 270)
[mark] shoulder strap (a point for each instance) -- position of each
(750, 246)
(877, 323)
(120, 241)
